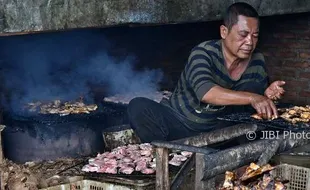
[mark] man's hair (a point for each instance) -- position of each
(236, 9)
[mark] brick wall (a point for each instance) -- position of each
(285, 41)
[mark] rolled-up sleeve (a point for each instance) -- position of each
(199, 73)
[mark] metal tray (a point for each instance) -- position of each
(135, 177)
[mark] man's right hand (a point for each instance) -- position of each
(264, 106)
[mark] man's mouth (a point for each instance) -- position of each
(246, 50)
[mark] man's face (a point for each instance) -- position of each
(241, 40)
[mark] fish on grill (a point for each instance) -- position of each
(255, 170)
(126, 98)
(61, 108)
(262, 116)
(254, 178)
(229, 178)
(296, 114)
(293, 115)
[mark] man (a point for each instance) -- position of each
(221, 76)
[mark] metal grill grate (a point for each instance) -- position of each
(276, 123)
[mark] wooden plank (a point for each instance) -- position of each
(232, 158)
(270, 151)
(219, 135)
(162, 170)
(189, 148)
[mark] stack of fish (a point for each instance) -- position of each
(61, 108)
(130, 158)
(254, 178)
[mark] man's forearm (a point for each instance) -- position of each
(221, 96)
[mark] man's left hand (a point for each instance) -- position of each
(275, 90)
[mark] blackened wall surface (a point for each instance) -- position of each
(35, 63)
(45, 15)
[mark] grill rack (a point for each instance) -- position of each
(135, 177)
(103, 109)
(279, 123)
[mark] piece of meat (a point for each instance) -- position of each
(119, 156)
(148, 171)
(103, 155)
(113, 162)
(262, 116)
(98, 163)
(111, 155)
(143, 159)
(134, 154)
(257, 116)
(146, 152)
(119, 147)
(255, 170)
(229, 178)
(135, 157)
(126, 170)
(120, 150)
(175, 162)
(141, 165)
(279, 186)
(146, 146)
(124, 165)
(108, 168)
(132, 147)
(127, 160)
(186, 154)
(178, 157)
(305, 115)
(152, 164)
(90, 168)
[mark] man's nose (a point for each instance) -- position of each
(249, 40)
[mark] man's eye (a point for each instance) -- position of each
(255, 35)
(243, 35)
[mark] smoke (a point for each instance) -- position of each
(121, 78)
(65, 66)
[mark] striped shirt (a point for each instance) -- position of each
(205, 69)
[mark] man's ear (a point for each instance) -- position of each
(223, 31)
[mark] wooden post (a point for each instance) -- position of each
(200, 165)
(200, 184)
(2, 183)
(162, 170)
(219, 135)
(1, 148)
